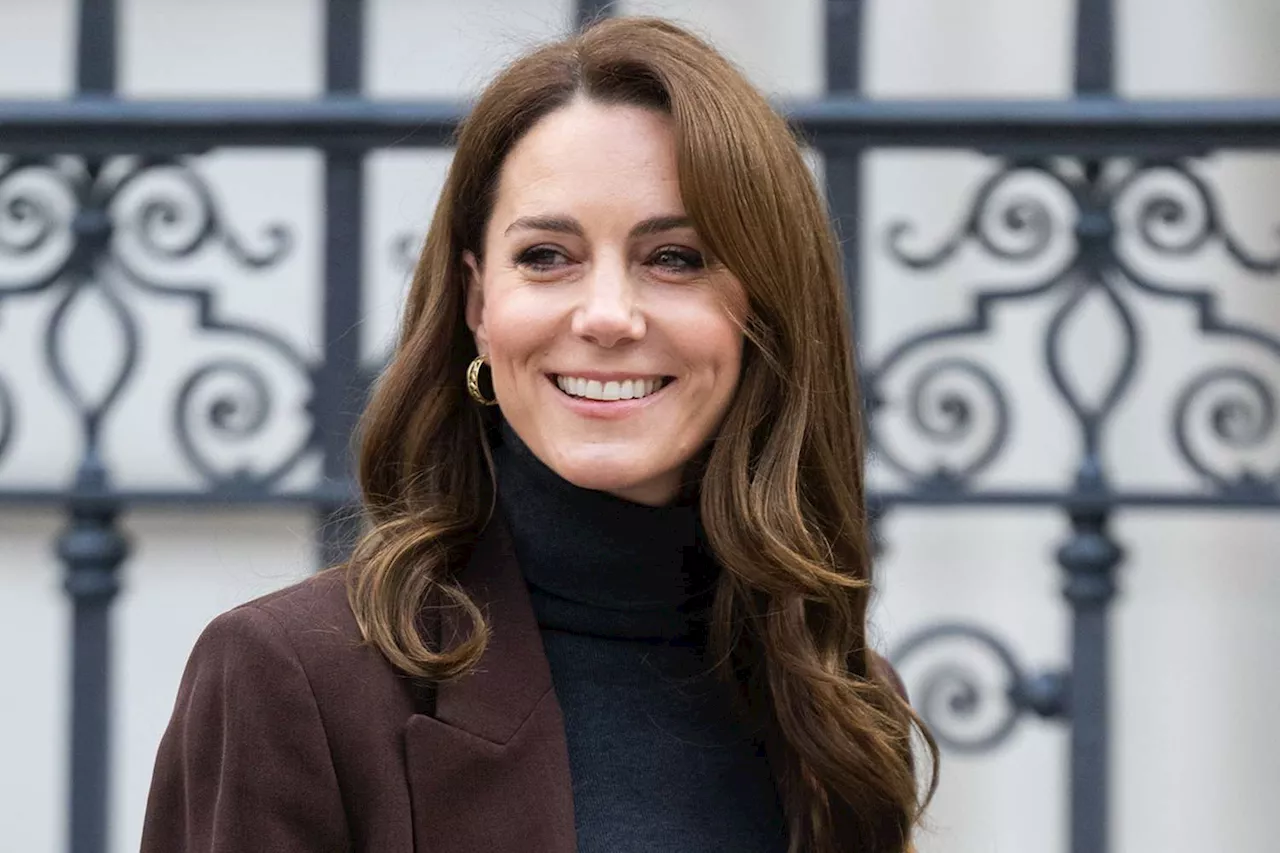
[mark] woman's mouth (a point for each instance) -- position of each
(634, 388)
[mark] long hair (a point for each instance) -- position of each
(781, 492)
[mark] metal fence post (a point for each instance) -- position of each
(91, 547)
(338, 384)
(1089, 557)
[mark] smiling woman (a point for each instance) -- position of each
(620, 603)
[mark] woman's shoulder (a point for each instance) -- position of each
(315, 603)
(309, 623)
(315, 608)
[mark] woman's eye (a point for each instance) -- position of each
(541, 258)
(678, 259)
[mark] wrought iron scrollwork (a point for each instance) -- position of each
(176, 224)
(1008, 225)
(1114, 210)
(107, 232)
(1178, 216)
(948, 401)
(962, 711)
(1239, 410)
(37, 198)
(1181, 222)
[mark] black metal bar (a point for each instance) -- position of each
(339, 395)
(107, 126)
(91, 547)
(96, 47)
(1089, 559)
(1101, 127)
(842, 165)
(1095, 47)
(843, 38)
(337, 494)
(587, 12)
(344, 46)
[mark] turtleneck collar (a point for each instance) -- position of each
(598, 564)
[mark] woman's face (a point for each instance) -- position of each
(612, 336)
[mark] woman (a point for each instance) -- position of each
(625, 608)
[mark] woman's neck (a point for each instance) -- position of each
(597, 563)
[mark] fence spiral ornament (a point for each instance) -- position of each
(964, 711)
(226, 405)
(171, 214)
(954, 403)
(37, 200)
(1236, 410)
(26, 220)
(1008, 225)
(1177, 214)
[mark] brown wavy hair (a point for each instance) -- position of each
(781, 491)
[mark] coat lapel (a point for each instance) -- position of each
(490, 771)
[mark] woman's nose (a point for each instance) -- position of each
(608, 314)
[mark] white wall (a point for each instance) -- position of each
(1193, 629)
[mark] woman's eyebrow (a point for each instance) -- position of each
(568, 225)
(658, 224)
(558, 224)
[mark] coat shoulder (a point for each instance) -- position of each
(312, 620)
(315, 603)
(311, 611)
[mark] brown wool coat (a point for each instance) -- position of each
(290, 736)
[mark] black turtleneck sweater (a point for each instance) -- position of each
(658, 757)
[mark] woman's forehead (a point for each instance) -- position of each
(589, 155)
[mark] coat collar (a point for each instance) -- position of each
(490, 770)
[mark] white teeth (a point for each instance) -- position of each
(593, 389)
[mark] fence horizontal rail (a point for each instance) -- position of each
(335, 496)
(1098, 126)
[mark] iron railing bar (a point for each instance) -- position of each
(104, 125)
(336, 495)
(339, 385)
(96, 47)
(842, 165)
(1089, 557)
(91, 547)
(1095, 48)
(843, 39)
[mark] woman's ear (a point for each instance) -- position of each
(475, 301)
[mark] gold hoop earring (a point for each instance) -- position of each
(473, 381)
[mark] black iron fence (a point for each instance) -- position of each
(65, 237)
